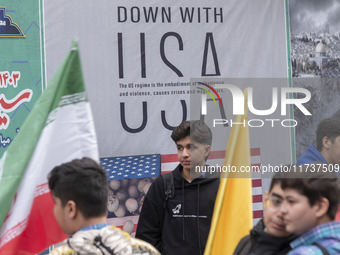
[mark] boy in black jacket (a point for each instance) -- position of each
(180, 225)
(269, 236)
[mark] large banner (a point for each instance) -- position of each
(21, 64)
(148, 66)
(139, 57)
(144, 64)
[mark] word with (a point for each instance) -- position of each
(163, 14)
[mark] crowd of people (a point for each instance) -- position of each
(299, 209)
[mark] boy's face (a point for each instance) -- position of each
(334, 151)
(299, 215)
(273, 217)
(191, 153)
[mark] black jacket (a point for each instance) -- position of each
(261, 243)
(180, 225)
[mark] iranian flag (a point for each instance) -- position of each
(59, 129)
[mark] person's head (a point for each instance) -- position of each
(193, 141)
(79, 189)
(328, 140)
(273, 217)
(309, 201)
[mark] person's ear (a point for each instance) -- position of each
(321, 207)
(71, 209)
(326, 142)
(207, 150)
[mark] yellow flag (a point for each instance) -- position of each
(232, 218)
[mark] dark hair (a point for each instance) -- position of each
(196, 129)
(328, 127)
(313, 185)
(84, 182)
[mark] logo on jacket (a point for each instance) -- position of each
(177, 209)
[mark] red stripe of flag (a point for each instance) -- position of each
(41, 225)
(257, 214)
(257, 183)
(257, 198)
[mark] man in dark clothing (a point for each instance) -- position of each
(269, 236)
(180, 225)
(327, 148)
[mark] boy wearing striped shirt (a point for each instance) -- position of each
(310, 202)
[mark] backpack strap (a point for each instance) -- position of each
(323, 249)
(169, 188)
(169, 192)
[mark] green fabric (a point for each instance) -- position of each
(66, 81)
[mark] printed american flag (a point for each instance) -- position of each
(142, 166)
(132, 167)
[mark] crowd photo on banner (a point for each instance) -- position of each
(170, 127)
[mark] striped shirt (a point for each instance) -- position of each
(327, 235)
